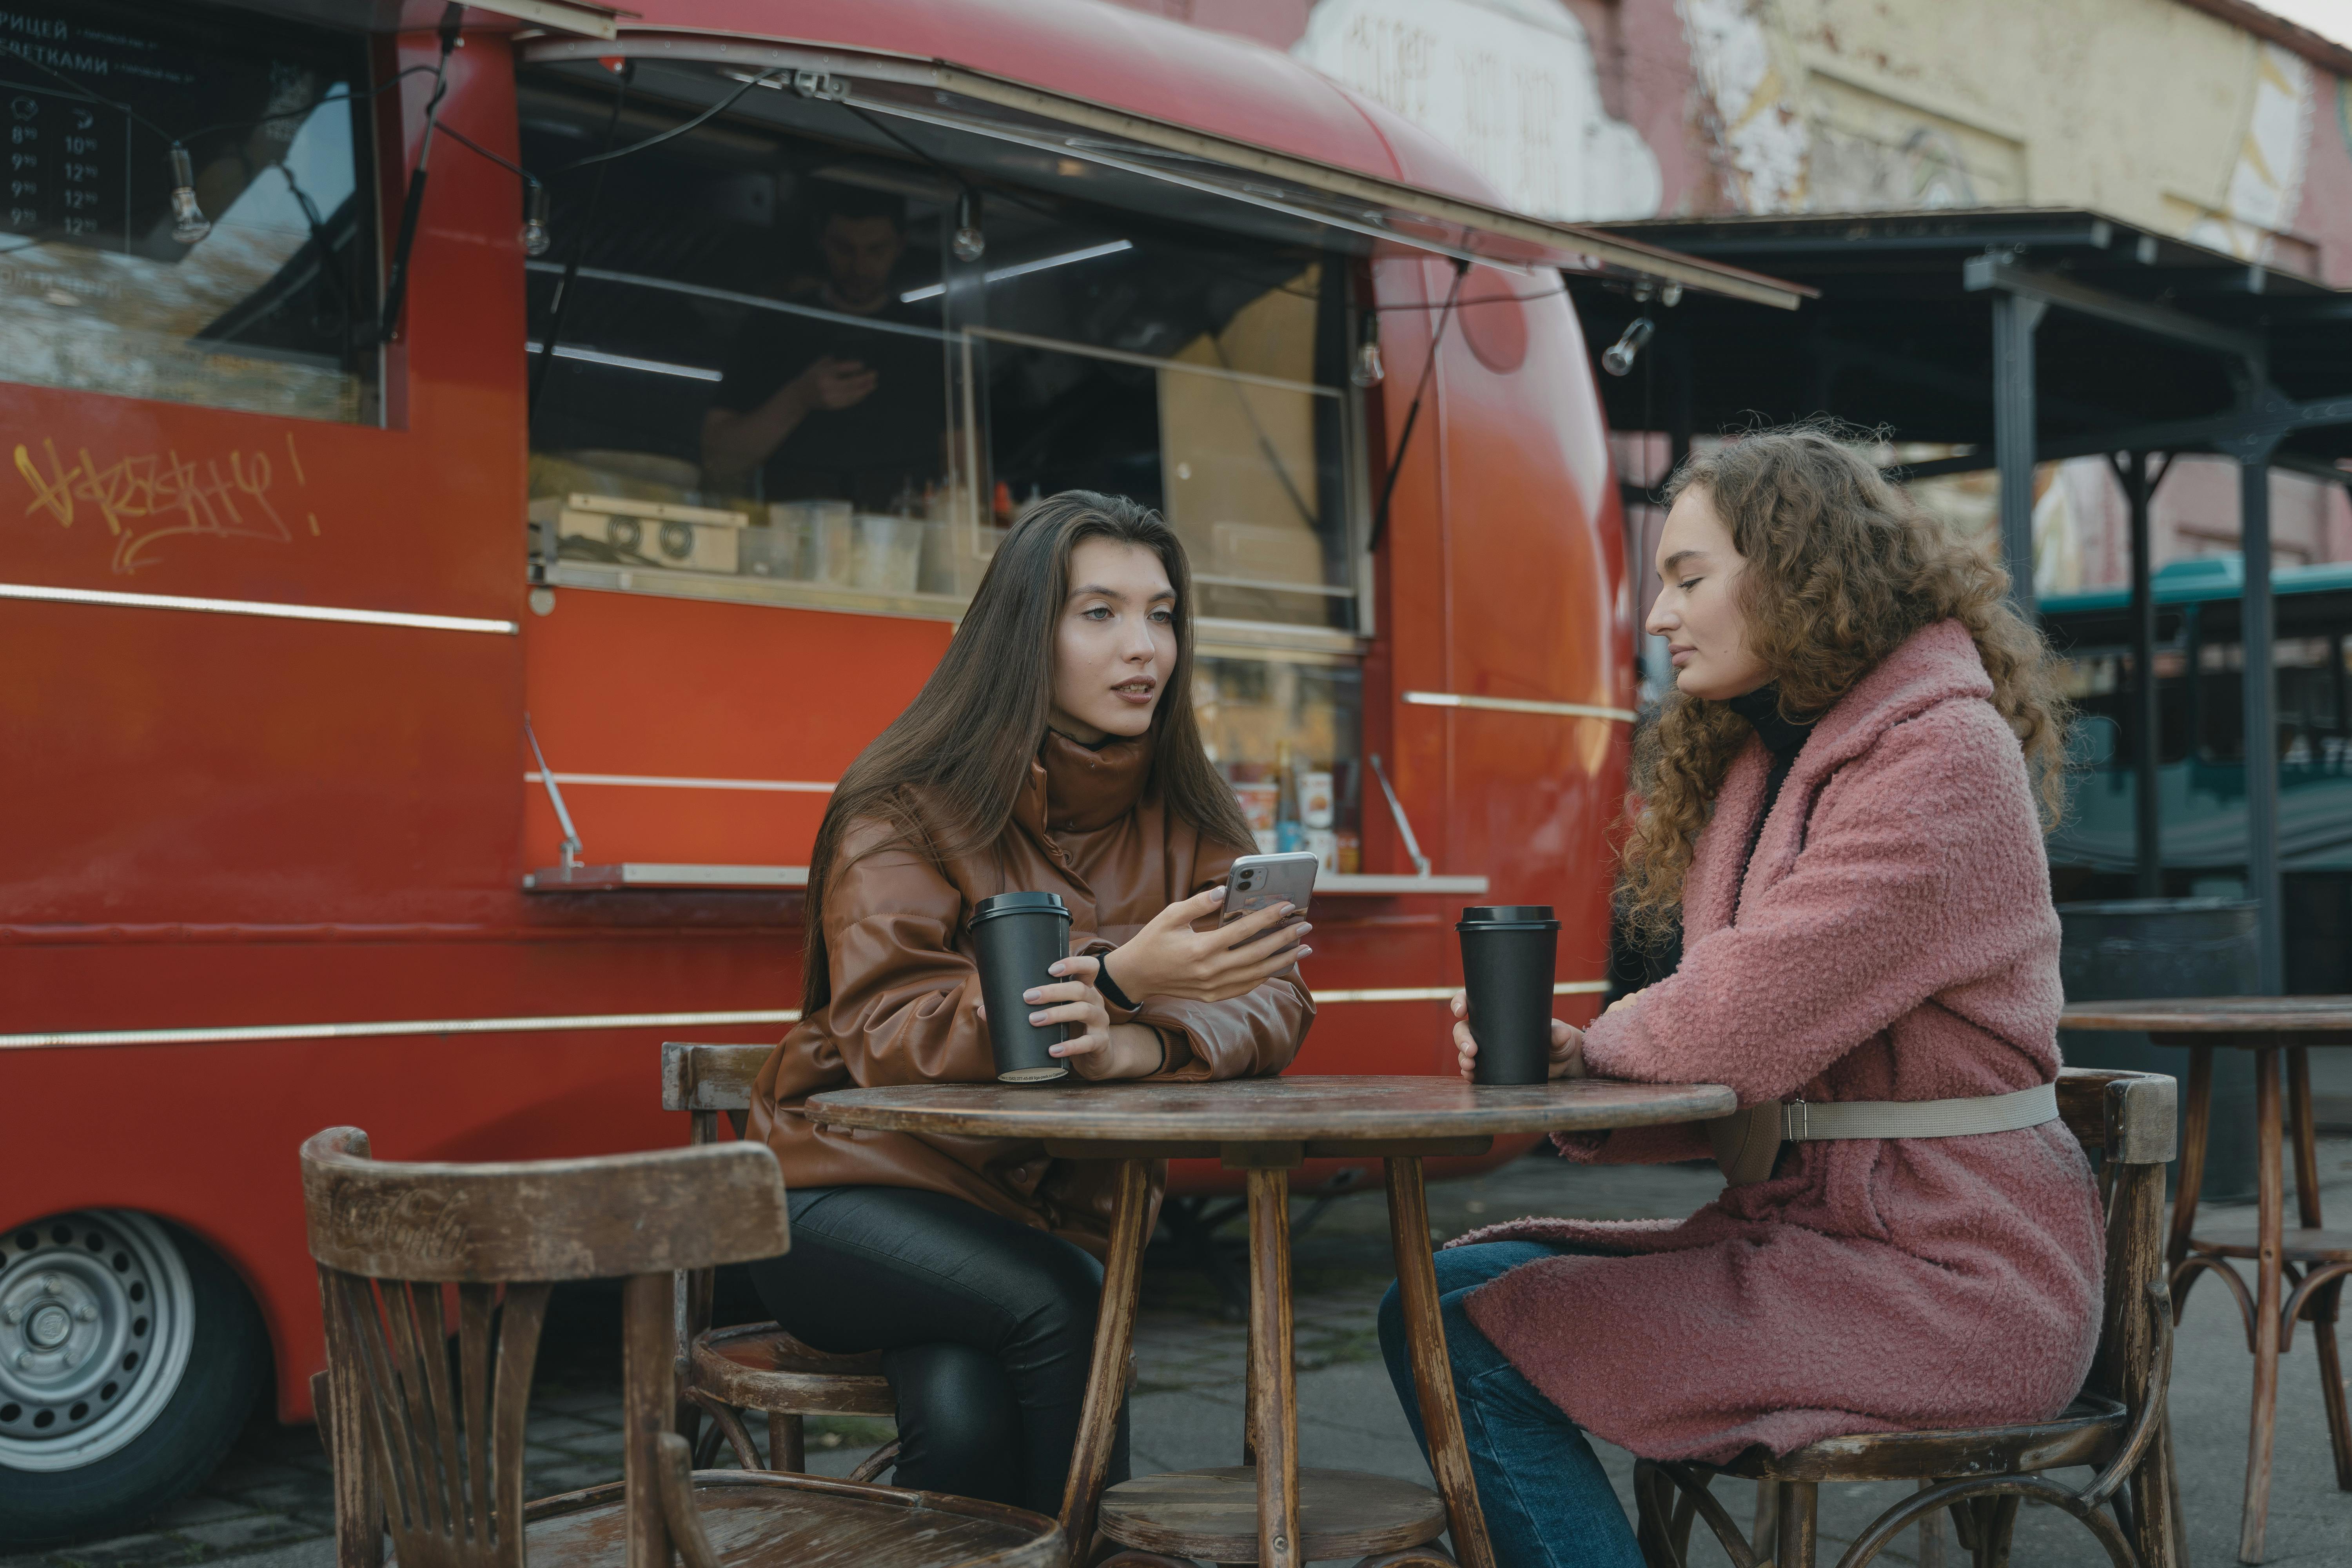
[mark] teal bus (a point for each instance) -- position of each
(2200, 752)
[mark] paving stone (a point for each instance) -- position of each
(225, 1536)
(199, 1509)
(574, 1402)
(562, 1428)
(572, 1477)
(597, 1443)
(306, 1492)
(130, 1552)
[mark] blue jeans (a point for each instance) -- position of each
(1547, 1502)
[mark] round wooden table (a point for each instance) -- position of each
(1266, 1510)
(2314, 1261)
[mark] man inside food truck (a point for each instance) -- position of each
(825, 408)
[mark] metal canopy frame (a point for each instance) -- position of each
(2163, 347)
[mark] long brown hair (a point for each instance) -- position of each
(1842, 567)
(947, 773)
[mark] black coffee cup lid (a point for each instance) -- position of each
(1511, 915)
(1020, 904)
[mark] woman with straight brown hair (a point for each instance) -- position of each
(1053, 750)
(1843, 803)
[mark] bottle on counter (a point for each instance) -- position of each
(1289, 823)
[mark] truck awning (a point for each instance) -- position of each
(1036, 137)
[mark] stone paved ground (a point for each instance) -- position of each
(270, 1504)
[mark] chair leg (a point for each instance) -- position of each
(1797, 1503)
(2000, 1525)
(1931, 1535)
(2270, 1180)
(724, 1421)
(2331, 1380)
(787, 1443)
(874, 1463)
(1764, 1539)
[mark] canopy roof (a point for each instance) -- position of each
(2142, 347)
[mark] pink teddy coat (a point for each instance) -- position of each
(1892, 938)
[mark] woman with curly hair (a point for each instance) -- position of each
(1842, 802)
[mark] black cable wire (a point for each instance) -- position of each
(517, 170)
(347, 97)
(1413, 414)
(395, 290)
(1470, 304)
(955, 174)
(723, 105)
(559, 308)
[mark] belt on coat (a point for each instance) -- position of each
(1801, 1122)
(1748, 1141)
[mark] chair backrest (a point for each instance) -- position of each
(709, 1078)
(436, 1449)
(2127, 1120)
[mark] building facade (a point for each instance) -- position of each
(2209, 119)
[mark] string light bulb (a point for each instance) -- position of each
(1368, 370)
(189, 222)
(970, 244)
(1617, 359)
(535, 240)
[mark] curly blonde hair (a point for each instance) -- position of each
(1842, 568)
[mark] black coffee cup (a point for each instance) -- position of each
(1020, 936)
(1509, 954)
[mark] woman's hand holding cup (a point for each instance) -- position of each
(1169, 958)
(1101, 1049)
(1567, 1042)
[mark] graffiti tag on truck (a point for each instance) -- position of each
(146, 500)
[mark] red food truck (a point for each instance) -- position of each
(422, 683)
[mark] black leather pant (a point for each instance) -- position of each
(986, 1328)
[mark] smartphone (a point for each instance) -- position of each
(1258, 881)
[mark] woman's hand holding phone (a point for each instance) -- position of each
(1567, 1042)
(1169, 958)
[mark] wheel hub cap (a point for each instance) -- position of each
(95, 1330)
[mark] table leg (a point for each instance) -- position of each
(2198, 1124)
(2271, 1178)
(1107, 1379)
(1432, 1371)
(2321, 1310)
(1273, 1396)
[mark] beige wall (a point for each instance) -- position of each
(2153, 110)
(2159, 114)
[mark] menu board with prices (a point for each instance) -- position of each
(268, 312)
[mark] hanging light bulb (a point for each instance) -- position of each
(189, 222)
(1617, 359)
(535, 240)
(970, 243)
(1368, 370)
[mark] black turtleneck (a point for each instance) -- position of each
(1783, 738)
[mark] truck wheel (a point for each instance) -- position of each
(130, 1357)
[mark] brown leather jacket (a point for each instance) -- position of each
(903, 988)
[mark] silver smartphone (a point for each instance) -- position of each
(1258, 881)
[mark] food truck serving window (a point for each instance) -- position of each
(780, 370)
(784, 372)
(106, 289)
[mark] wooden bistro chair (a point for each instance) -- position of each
(757, 1366)
(2116, 1426)
(434, 1279)
(754, 1366)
